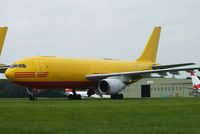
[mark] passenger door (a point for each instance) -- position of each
(41, 69)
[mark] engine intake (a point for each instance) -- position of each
(110, 86)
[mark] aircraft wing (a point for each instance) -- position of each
(138, 74)
(171, 65)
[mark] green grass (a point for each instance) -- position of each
(131, 116)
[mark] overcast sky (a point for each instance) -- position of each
(116, 29)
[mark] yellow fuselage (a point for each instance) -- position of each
(55, 72)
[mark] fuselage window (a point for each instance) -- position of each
(20, 65)
(23, 65)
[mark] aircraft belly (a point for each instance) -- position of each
(58, 84)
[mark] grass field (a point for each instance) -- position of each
(131, 116)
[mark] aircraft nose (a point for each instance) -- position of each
(9, 74)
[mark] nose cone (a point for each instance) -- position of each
(9, 74)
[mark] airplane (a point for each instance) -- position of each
(69, 93)
(196, 85)
(98, 76)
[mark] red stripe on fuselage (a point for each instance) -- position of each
(42, 74)
(24, 74)
(58, 84)
(31, 74)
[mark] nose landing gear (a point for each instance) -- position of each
(32, 93)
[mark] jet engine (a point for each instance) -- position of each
(110, 86)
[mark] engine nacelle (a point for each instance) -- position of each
(110, 86)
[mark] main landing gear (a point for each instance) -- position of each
(117, 96)
(74, 96)
(90, 92)
(32, 93)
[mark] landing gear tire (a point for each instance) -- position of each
(70, 97)
(90, 92)
(78, 97)
(32, 97)
(117, 96)
(74, 97)
(32, 94)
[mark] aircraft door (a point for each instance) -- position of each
(41, 69)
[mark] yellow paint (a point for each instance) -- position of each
(74, 69)
(3, 31)
(150, 52)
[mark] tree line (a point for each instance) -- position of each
(11, 90)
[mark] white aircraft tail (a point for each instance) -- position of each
(195, 82)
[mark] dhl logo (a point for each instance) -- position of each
(24, 74)
(31, 74)
(42, 74)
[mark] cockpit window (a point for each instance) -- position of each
(23, 65)
(18, 65)
(14, 66)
